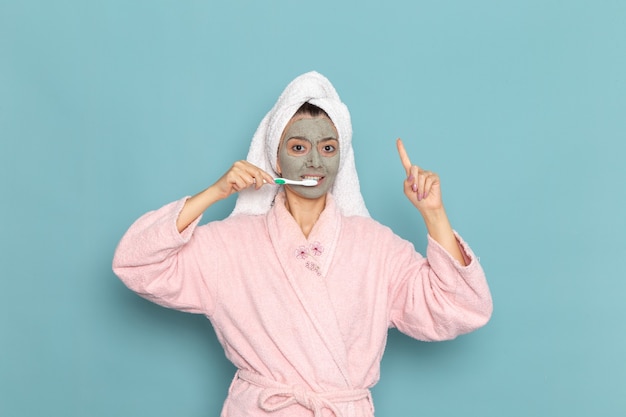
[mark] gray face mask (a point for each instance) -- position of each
(310, 149)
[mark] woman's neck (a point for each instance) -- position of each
(305, 211)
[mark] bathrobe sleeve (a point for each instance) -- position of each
(164, 266)
(437, 298)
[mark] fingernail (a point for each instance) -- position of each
(411, 178)
(414, 187)
(425, 195)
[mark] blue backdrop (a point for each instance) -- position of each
(110, 109)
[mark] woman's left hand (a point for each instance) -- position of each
(421, 187)
(424, 190)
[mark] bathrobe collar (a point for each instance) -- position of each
(305, 262)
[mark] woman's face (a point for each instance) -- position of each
(309, 149)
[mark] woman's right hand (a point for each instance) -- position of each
(240, 176)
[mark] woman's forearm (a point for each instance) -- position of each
(439, 228)
(240, 176)
(196, 205)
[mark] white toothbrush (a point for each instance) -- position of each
(306, 183)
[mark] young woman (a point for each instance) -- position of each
(300, 284)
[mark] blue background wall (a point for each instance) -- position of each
(109, 109)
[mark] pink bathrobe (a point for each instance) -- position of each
(304, 320)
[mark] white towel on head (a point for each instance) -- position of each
(314, 88)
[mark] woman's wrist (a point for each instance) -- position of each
(440, 229)
(435, 218)
(196, 205)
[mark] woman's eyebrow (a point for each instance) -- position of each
(321, 140)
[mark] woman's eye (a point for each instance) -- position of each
(329, 148)
(297, 148)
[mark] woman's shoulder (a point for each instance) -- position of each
(366, 226)
(234, 226)
(239, 220)
(366, 235)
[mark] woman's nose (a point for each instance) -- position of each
(315, 159)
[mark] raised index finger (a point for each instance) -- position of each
(404, 157)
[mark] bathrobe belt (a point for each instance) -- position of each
(276, 396)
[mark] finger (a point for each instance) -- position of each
(262, 178)
(241, 182)
(431, 180)
(434, 183)
(252, 174)
(267, 178)
(257, 178)
(413, 178)
(240, 179)
(421, 184)
(428, 183)
(404, 157)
